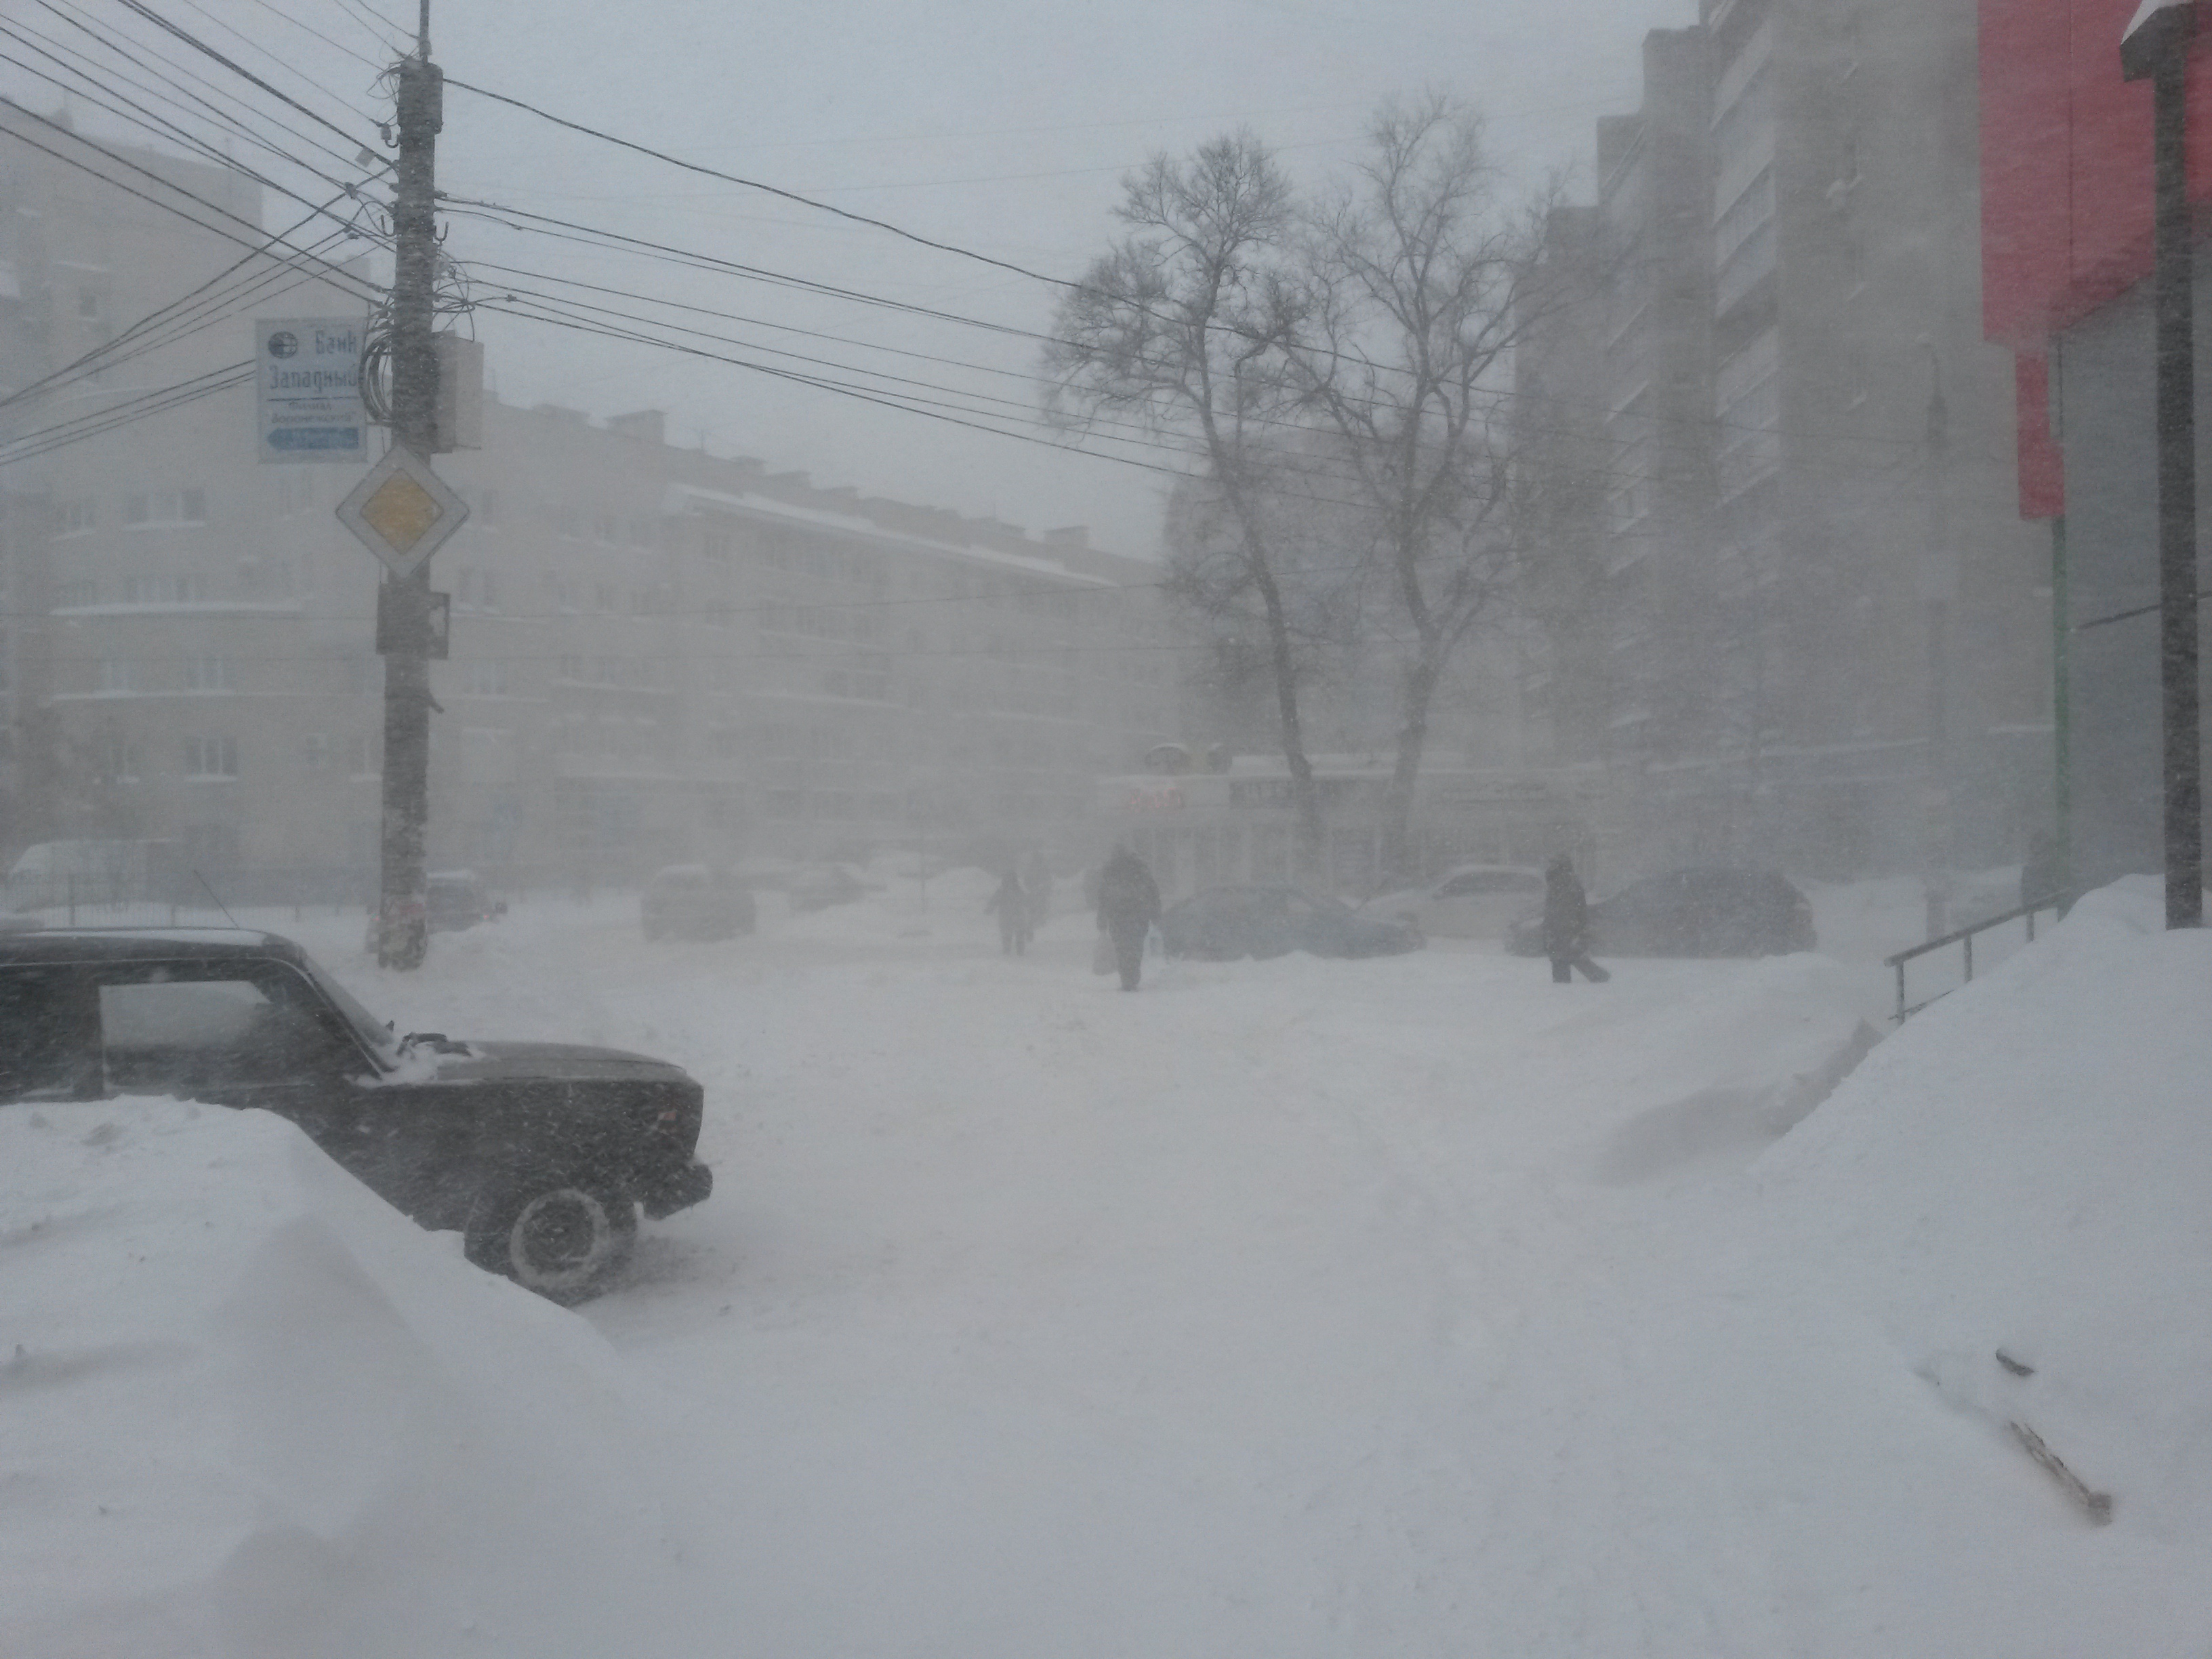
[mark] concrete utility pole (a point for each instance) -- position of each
(403, 932)
(2157, 47)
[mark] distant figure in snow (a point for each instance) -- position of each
(1566, 924)
(1012, 906)
(1129, 905)
(1036, 882)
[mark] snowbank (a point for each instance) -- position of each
(248, 1410)
(2023, 1169)
(2025, 1166)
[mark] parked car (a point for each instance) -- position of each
(458, 899)
(1221, 924)
(541, 1154)
(1473, 900)
(52, 874)
(695, 901)
(1707, 911)
(818, 886)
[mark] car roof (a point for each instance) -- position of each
(49, 944)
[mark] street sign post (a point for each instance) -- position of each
(309, 405)
(403, 512)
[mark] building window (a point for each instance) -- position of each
(165, 507)
(209, 674)
(487, 677)
(118, 759)
(164, 589)
(74, 595)
(295, 490)
(210, 758)
(265, 578)
(1743, 241)
(74, 518)
(118, 674)
(315, 750)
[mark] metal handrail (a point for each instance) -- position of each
(1964, 937)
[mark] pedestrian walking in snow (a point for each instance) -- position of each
(1012, 905)
(1566, 924)
(1129, 905)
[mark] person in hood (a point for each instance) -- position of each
(1013, 905)
(1129, 905)
(1566, 924)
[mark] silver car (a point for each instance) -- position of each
(1473, 900)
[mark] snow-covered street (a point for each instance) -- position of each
(1413, 1306)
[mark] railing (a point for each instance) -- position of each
(1963, 938)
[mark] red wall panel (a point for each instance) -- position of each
(2066, 186)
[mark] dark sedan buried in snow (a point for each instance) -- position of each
(541, 1154)
(1221, 924)
(1712, 911)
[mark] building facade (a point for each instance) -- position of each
(657, 654)
(1822, 636)
(2067, 248)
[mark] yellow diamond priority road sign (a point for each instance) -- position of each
(402, 510)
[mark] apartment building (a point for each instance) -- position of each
(1822, 630)
(656, 653)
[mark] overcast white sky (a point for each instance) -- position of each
(1003, 126)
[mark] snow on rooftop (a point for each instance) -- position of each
(679, 498)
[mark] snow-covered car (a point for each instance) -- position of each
(695, 901)
(455, 900)
(1473, 900)
(1221, 924)
(541, 1154)
(1707, 911)
(818, 886)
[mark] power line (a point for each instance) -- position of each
(754, 184)
(161, 125)
(80, 366)
(616, 242)
(62, 435)
(74, 18)
(239, 69)
(331, 273)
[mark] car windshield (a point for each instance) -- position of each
(375, 1033)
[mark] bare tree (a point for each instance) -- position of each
(1422, 279)
(1184, 327)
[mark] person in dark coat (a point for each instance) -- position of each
(1129, 905)
(1013, 905)
(1566, 924)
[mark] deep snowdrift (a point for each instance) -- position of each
(2025, 1167)
(248, 1410)
(1414, 1307)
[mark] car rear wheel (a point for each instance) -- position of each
(560, 1238)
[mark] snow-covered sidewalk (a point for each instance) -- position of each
(1416, 1306)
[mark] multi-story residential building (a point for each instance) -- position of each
(656, 653)
(1824, 639)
